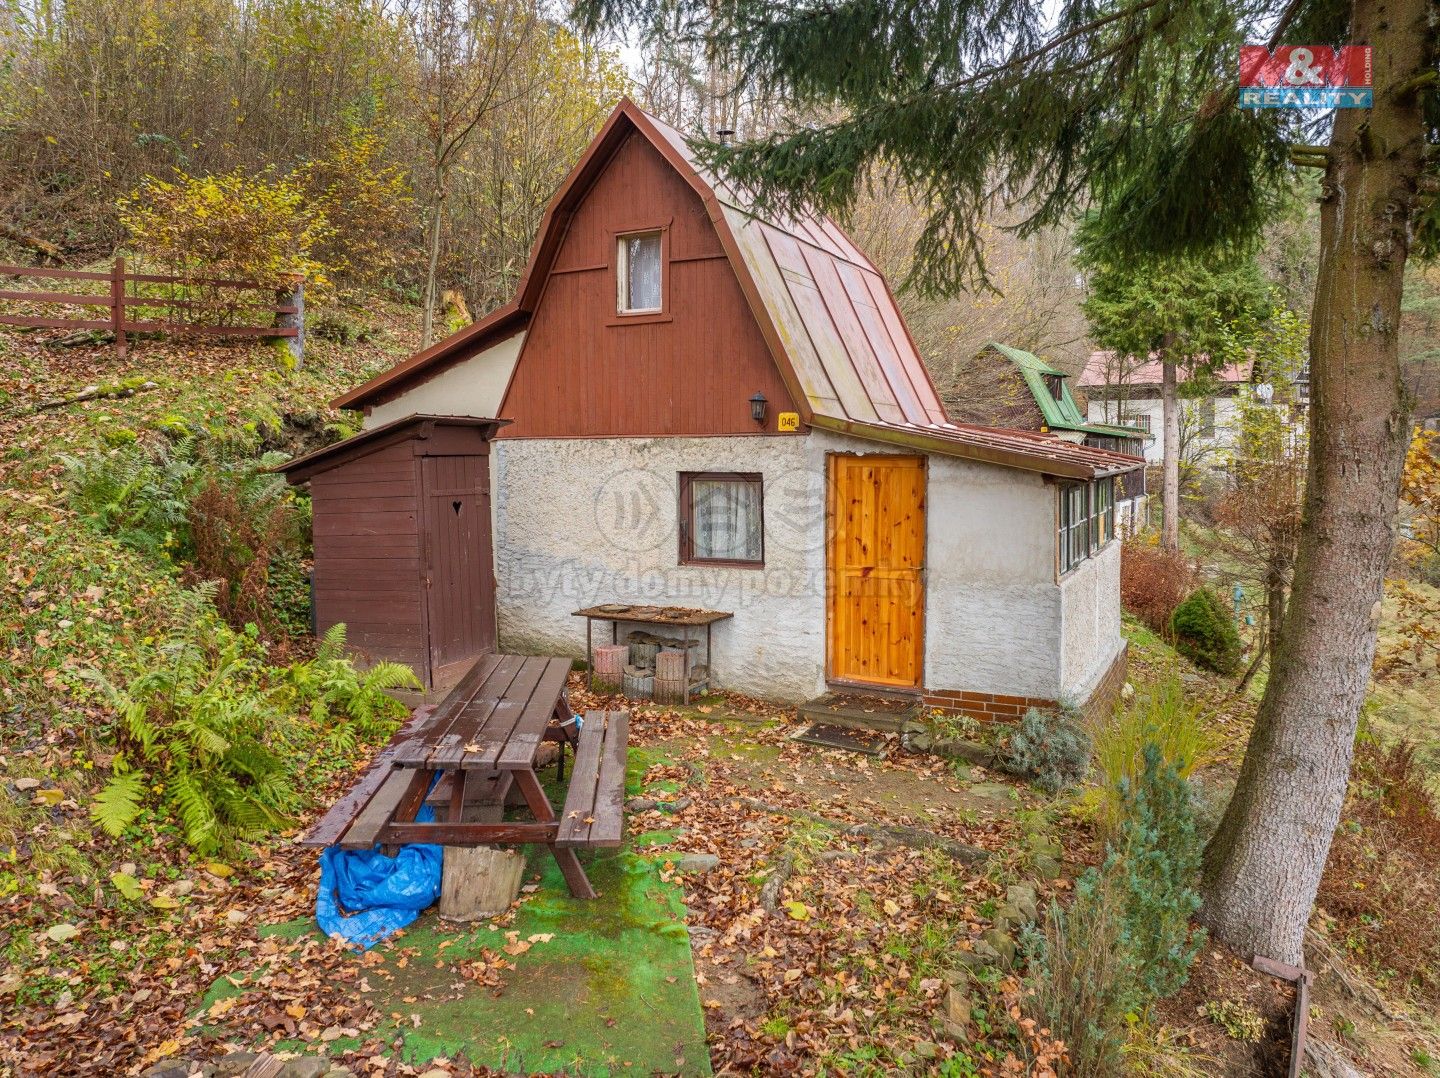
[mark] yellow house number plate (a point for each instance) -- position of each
(789, 421)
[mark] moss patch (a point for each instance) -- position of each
(611, 991)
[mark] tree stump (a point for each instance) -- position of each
(480, 881)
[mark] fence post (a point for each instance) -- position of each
(117, 305)
(293, 296)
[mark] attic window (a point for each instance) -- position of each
(641, 265)
(1054, 385)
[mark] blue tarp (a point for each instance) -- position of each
(366, 896)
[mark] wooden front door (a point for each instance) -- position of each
(457, 559)
(876, 557)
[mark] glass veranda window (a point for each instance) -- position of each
(723, 518)
(640, 272)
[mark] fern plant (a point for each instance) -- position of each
(138, 493)
(195, 732)
(335, 690)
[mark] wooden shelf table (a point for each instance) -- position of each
(683, 618)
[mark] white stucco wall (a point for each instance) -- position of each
(585, 521)
(1226, 409)
(1090, 623)
(472, 387)
(993, 613)
(580, 522)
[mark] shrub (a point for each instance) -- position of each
(1153, 582)
(1160, 714)
(1204, 632)
(1125, 940)
(242, 517)
(1382, 880)
(1051, 748)
(331, 688)
(1080, 980)
(136, 492)
(201, 505)
(233, 225)
(366, 204)
(1154, 864)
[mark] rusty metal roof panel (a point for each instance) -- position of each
(895, 404)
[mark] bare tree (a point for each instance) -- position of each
(469, 54)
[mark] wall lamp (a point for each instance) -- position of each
(757, 408)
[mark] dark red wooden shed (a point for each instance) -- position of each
(402, 541)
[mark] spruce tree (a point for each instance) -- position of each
(1132, 107)
(1193, 315)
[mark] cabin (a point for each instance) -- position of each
(1001, 385)
(402, 542)
(714, 408)
(1126, 391)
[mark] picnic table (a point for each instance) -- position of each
(476, 746)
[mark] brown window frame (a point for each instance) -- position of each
(624, 317)
(687, 508)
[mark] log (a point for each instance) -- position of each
(668, 691)
(671, 664)
(480, 881)
(610, 661)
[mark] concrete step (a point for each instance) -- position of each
(891, 714)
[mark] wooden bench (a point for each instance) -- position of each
(593, 816)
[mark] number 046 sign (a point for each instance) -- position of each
(1305, 77)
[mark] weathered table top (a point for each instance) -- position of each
(658, 615)
(493, 720)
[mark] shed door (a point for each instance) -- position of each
(876, 608)
(456, 565)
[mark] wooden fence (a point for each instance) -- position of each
(130, 309)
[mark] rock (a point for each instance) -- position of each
(435, 1072)
(233, 1063)
(927, 1050)
(1001, 944)
(955, 977)
(982, 956)
(957, 1006)
(678, 806)
(640, 804)
(1127, 691)
(1008, 917)
(1046, 867)
(920, 741)
(304, 1067)
(695, 862)
(236, 917)
(170, 1068)
(1022, 896)
(749, 843)
(26, 784)
(340, 1072)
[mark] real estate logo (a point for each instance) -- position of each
(1305, 77)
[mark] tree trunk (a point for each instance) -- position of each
(1263, 866)
(432, 265)
(1170, 466)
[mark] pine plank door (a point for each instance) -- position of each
(875, 616)
(455, 499)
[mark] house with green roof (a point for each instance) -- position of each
(1004, 386)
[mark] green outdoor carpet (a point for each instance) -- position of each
(612, 991)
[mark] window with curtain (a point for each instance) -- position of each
(722, 518)
(640, 271)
